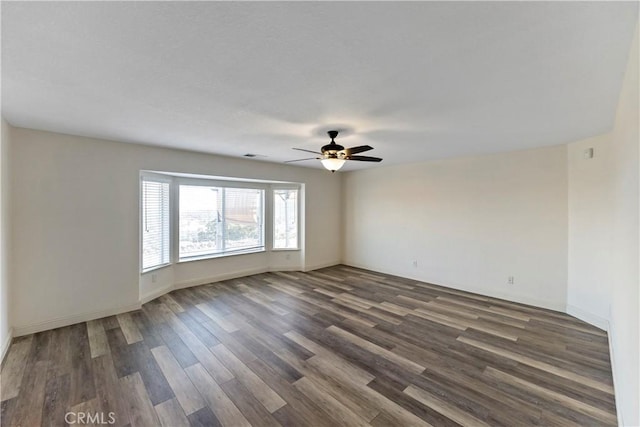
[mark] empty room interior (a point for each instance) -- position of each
(320, 214)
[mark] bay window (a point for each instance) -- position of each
(188, 218)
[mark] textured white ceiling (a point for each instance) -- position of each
(416, 81)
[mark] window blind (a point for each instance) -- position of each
(155, 223)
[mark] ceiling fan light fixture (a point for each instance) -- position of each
(334, 155)
(332, 164)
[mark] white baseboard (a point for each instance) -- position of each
(228, 276)
(535, 302)
(71, 320)
(321, 265)
(612, 359)
(605, 325)
(284, 268)
(219, 278)
(5, 345)
(149, 296)
(586, 316)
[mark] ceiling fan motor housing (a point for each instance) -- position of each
(332, 148)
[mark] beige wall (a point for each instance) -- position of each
(5, 325)
(625, 304)
(469, 223)
(590, 224)
(604, 216)
(74, 207)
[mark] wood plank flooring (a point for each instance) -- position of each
(337, 346)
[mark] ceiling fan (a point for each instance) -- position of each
(334, 155)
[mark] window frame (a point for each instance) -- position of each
(273, 189)
(179, 181)
(151, 177)
(175, 179)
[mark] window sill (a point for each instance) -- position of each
(285, 249)
(222, 255)
(154, 268)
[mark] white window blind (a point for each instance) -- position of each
(219, 220)
(155, 224)
(285, 219)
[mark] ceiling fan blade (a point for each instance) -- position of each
(308, 151)
(356, 150)
(300, 160)
(364, 158)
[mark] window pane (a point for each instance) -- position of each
(200, 220)
(217, 220)
(285, 219)
(155, 224)
(243, 218)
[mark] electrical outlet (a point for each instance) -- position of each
(154, 277)
(287, 256)
(415, 264)
(510, 280)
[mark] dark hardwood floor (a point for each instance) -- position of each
(338, 346)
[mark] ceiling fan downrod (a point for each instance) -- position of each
(332, 147)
